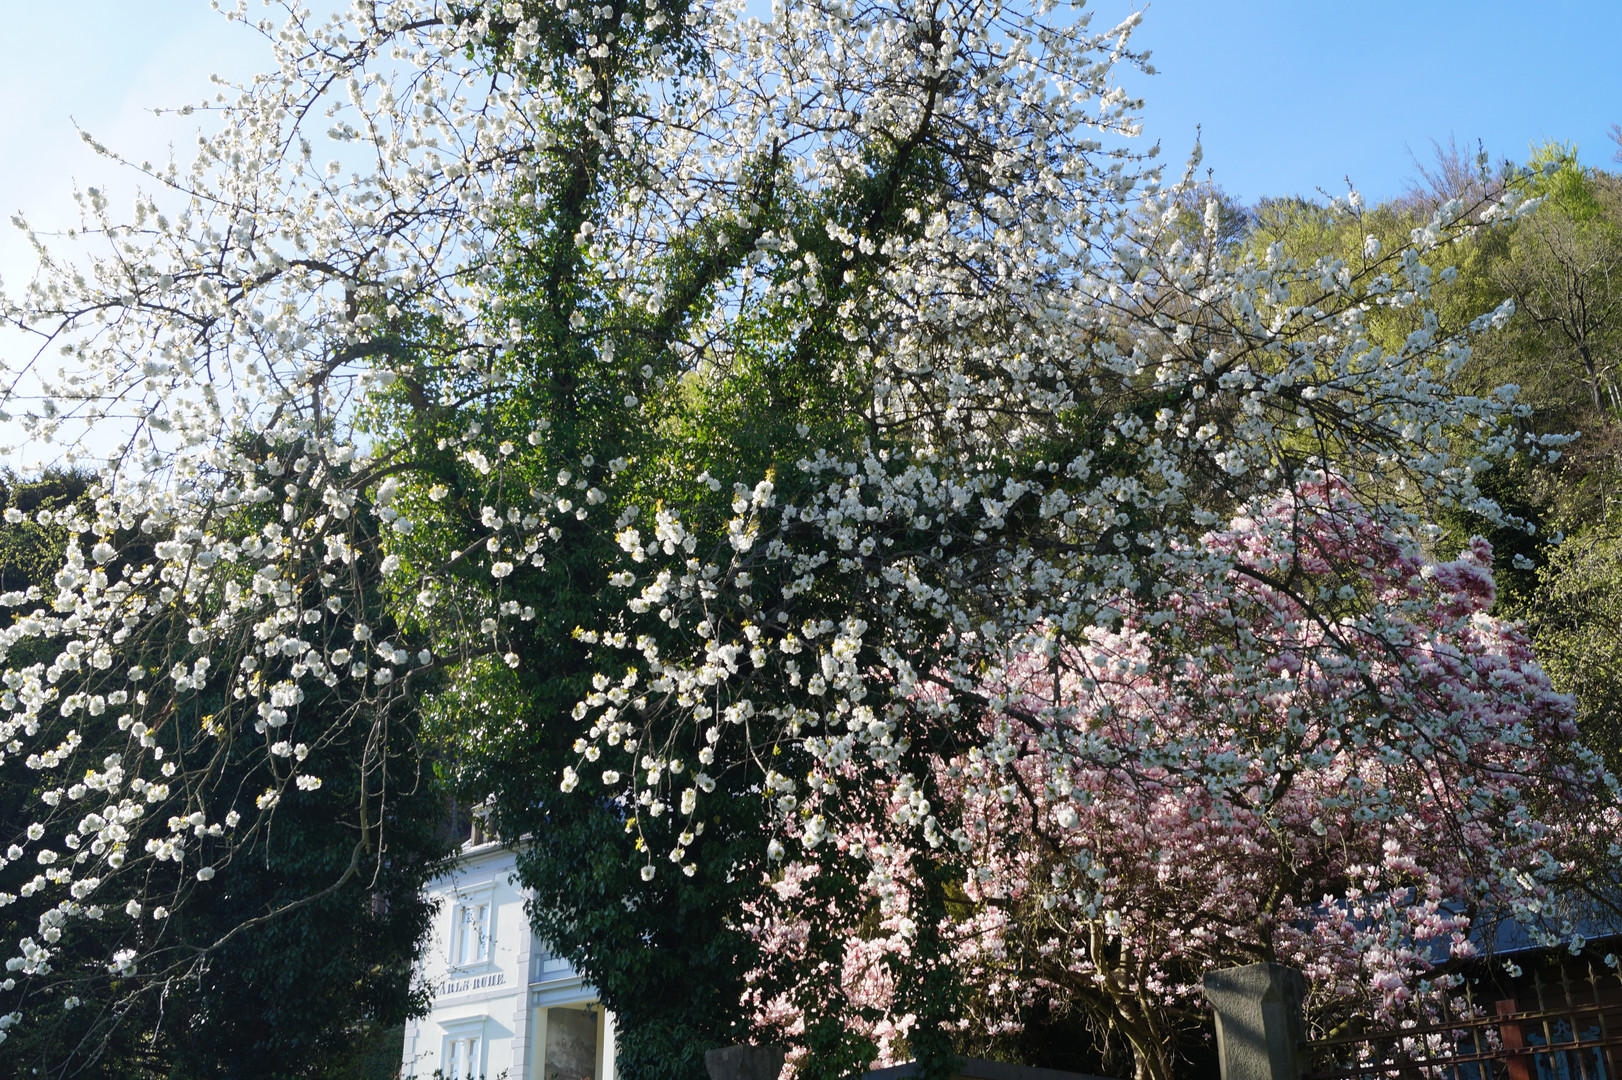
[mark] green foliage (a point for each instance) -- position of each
(1579, 631)
(1561, 179)
(31, 552)
(671, 958)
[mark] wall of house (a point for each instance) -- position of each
(504, 1008)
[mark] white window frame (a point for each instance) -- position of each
(463, 1039)
(465, 902)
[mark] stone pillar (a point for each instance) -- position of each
(745, 1062)
(1258, 1021)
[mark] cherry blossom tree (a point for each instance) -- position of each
(751, 388)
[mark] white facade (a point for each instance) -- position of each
(503, 1005)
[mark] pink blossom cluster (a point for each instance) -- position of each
(1231, 771)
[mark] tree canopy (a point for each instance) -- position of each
(302, 958)
(700, 423)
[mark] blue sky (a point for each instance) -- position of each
(104, 64)
(1296, 94)
(1293, 95)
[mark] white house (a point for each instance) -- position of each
(503, 1005)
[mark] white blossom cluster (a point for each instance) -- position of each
(343, 242)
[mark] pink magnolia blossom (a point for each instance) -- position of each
(1330, 755)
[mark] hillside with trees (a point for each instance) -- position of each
(1562, 270)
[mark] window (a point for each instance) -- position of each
(544, 966)
(470, 930)
(463, 1056)
(1561, 1064)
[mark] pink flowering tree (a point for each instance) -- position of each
(1328, 755)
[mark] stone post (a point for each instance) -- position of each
(1258, 1021)
(744, 1062)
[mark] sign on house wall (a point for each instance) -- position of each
(466, 986)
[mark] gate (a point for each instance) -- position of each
(1564, 1027)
